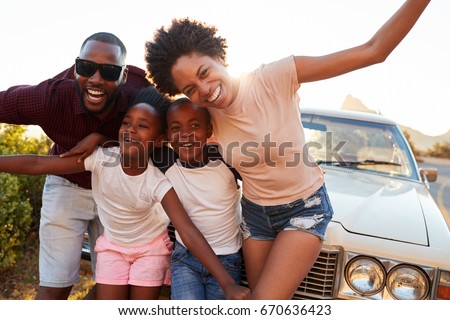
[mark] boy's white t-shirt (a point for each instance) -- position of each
(128, 206)
(211, 198)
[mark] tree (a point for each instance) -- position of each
(15, 220)
(20, 195)
(440, 150)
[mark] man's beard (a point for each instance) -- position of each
(108, 104)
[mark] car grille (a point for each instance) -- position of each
(321, 279)
(319, 283)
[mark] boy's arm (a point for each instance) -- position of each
(196, 243)
(40, 165)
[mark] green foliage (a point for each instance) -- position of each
(20, 195)
(440, 150)
(15, 220)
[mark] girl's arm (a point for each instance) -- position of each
(374, 51)
(195, 242)
(39, 165)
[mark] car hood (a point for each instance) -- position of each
(377, 206)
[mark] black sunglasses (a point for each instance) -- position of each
(87, 68)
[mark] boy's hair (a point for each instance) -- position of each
(183, 37)
(107, 37)
(153, 97)
(184, 100)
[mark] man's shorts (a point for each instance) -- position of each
(67, 212)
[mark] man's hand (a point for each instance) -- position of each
(86, 146)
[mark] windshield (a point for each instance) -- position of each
(359, 145)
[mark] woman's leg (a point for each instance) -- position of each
(282, 242)
(291, 256)
(255, 253)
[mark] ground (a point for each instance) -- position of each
(22, 281)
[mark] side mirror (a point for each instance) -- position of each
(428, 174)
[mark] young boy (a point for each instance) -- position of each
(134, 252)
(208, 190)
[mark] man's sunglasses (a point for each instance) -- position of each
(87, 68)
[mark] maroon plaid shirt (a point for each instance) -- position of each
(54, 105)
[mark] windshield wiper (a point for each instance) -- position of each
(367, 162)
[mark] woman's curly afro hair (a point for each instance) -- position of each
(183, 37)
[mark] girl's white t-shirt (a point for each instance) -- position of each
(128, 206)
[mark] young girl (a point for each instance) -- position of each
(134, 252)
(256, 121)
(208, 190)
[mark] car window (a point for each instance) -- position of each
(359, 145)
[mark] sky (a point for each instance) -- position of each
(40, 38)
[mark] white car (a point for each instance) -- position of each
(388, 238)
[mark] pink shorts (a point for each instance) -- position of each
(147, 265)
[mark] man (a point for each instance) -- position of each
(91, 96)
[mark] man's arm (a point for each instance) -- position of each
(85, 147)
(26, 104)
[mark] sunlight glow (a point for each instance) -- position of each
(410, 87)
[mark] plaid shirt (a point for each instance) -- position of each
(55, 106)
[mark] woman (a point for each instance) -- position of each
(256, 122)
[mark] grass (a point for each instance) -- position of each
(22, 281)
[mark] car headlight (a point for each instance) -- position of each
(365, 275)
(405, 282)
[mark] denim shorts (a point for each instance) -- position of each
(67, 212)
(192, 281)
(311, 214)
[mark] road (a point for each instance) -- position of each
(440, 190)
